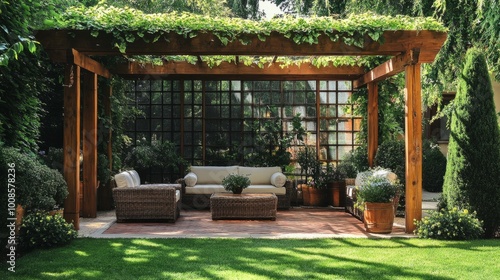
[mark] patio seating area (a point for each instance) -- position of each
(297, 222)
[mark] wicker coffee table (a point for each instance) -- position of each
(243, 206)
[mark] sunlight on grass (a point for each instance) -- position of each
(135, 260)
(145, 242)
(60, 274)
(81, 253)
(135, 251)
(192, 258)
(116, 244)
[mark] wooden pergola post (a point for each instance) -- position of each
(413, 149)
(108, 89)
(89, 209)
(71, 143)
(372, 121)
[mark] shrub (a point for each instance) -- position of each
(354, 162)
(433, 167)
(41, 230)
(472, 179)
(38, 187)
(450, 224)
(161, 155)
(391, 155)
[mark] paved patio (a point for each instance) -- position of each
(298, 222)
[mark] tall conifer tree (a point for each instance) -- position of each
(472, 177)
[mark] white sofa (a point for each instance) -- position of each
(203, 181)
(134, 201)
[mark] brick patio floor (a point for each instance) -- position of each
(298, 222)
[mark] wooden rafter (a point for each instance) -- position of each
(226, 69)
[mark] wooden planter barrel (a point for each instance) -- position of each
(379, 217)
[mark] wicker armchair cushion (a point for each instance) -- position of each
(124, 180)
(212, 174)
(190, 179)
(259, 175)
(278, 179)
(135, 177)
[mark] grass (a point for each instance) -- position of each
(262, 259)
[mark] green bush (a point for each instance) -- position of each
(450, 224)
(354, 162)
(433, 167)
(38, 187)
(391, 155)
(41, 230)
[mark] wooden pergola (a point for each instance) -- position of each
(75, 49)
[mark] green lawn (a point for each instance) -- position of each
(262, 259)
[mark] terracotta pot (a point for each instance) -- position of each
(336, 194)
(317, 197)
(379, 217)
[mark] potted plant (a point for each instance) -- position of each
(235, 183)
(376, 198)
(336, 186)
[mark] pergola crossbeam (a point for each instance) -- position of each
(236, 70)
(389, 68)
(88, 64)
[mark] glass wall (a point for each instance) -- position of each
(212, 122)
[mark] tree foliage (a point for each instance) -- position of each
(22, 77)
(472, 179)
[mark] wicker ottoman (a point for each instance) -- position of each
(243, 206)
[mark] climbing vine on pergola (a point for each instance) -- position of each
(177, 45)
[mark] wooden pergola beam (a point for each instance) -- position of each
(389, 68)
(237, 70)
(395, 42)
(88, 64)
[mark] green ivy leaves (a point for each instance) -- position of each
(127, 25)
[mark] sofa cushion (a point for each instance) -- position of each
(259, 175)
(265, 189)
(135, 177)
(177, 195)
(190, 179)
(212, 174)
(124, 180)
(205, 189)
(278, 179)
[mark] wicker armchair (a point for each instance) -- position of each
(151, 202)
